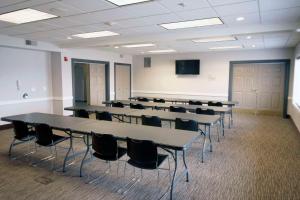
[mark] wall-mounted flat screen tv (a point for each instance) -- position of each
(191, 67)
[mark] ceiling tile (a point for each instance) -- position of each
(281, 16)
(22, 4)
(237, 9)
(59, 9)
(150, 20)
(90, 5)
(275, 43)
(197, 14)
(226, 2)
(250, 18)
(273, 5)
(174, 5)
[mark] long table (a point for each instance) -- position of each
(207, 120)
(172, 139)
(182, 100)
(192, 108)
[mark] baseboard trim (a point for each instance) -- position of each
(290, 118)
(5, 127)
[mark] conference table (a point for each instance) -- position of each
(206, 120)
(171, 140)
(165, 106)
(182, 100)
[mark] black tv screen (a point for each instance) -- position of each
(188, 67)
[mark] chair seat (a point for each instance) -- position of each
(149, 165)
(30, 136)
(55, 140)
(121, 152)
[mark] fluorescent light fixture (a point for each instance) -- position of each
(249, 37)
(253, 46)
(25, 16)
(162, 51)
(298, 30)
(126, 2)
(138, 45)
(240, 19)
(69, 38)
(96, 34)
(226, 47)
(215, 39)
(193, 23)
(116, 47)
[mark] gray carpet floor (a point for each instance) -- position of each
(259, 158)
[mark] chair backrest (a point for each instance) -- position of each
(104, 116)
(151, 121)
(105, 145)
(188, 125)
(195, 102)
(205, 112)
(218, 104)
(20, 129)
(159, 100)
(82, 113)
(142, 151)
(143, 99)
(177, 109)
(44, 134)
(137, 106)
(117, 104)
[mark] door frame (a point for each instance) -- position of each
(115, 77)
(107, 75)
(287, 64)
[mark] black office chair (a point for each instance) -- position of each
(23, 134)
(46, 138)
(117, 104)
(151, 121)
(218, 104)
(195, 103)
(144, 99)
(106, 148)
(188, 125)
(82, 113)
(159, 100)
(137, 106)
(106, 116)
(177, 109)
(143, 154)
(205, 111)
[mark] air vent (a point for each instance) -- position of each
(30, 43)
(147, 61)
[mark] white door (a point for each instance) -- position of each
(97, 84)
(122, 82)
(259, 86)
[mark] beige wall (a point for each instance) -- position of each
(213, 81)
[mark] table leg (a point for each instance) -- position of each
(70, 148)
(185, 166)
(174, 175)
(222, 121)
(203, 147)
(209, 137)
(87, 151)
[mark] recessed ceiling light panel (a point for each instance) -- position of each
(226, 47)
(139, 45)
(96, 34)
(126, 2)
(240, 19)
(162, 51)
(25, 16)
(193, 23)
(215, 39)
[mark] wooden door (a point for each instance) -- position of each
(97, 84)
(259, 87)
(122, 74)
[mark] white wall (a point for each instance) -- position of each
(33, 70)
(212, 83)
(87, 54)
(294, 109)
